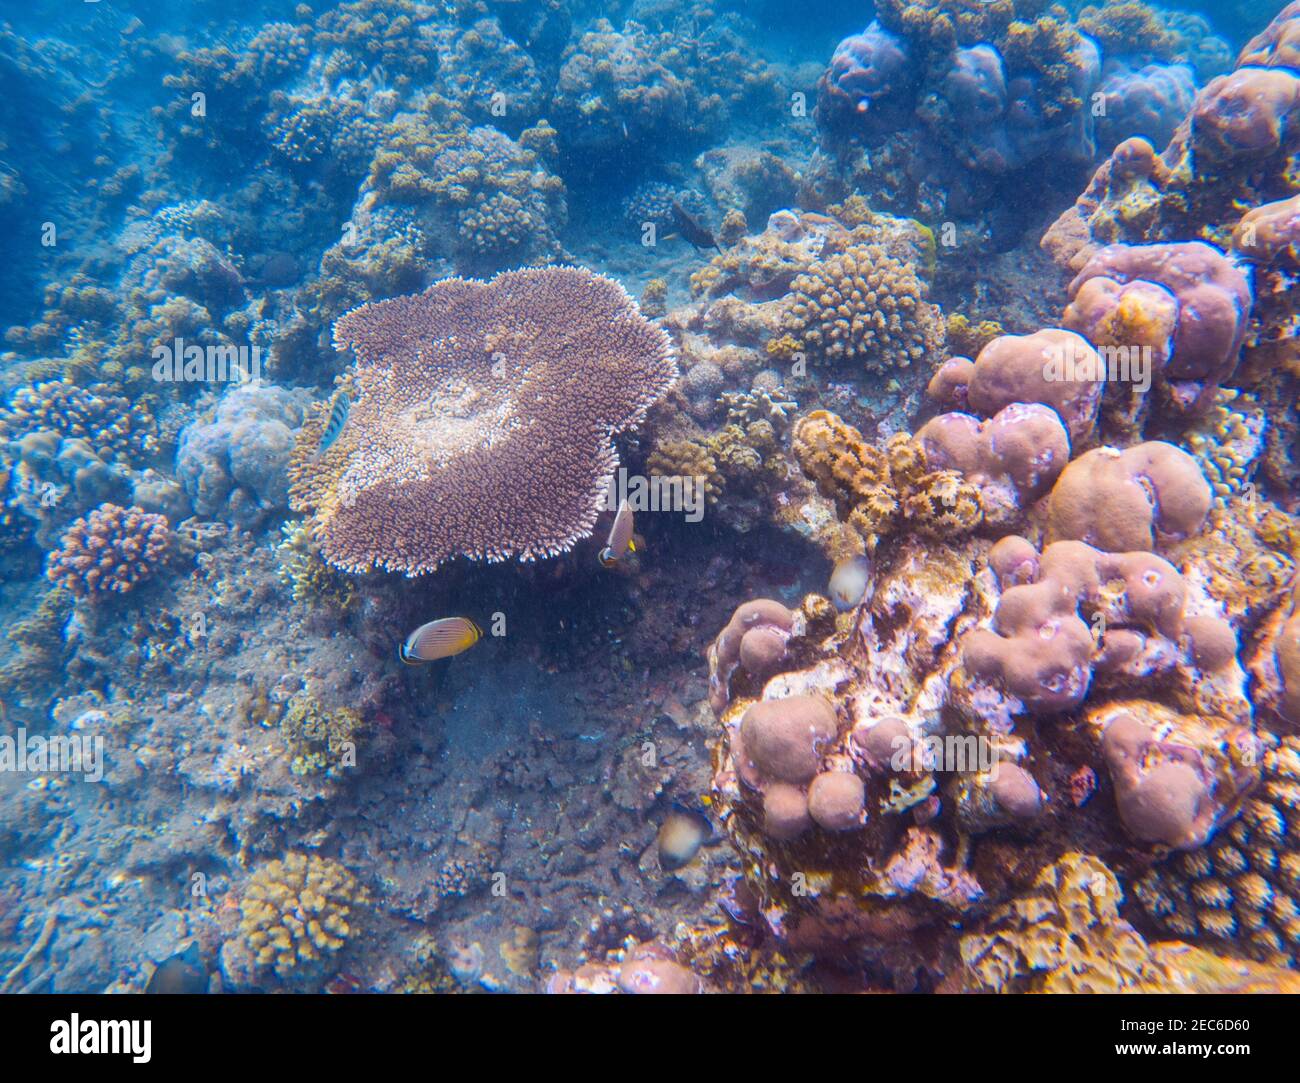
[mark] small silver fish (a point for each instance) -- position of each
(439, 639)
(620, 541)
(334, 425)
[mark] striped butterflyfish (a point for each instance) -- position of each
(620, 541)
(439, 639)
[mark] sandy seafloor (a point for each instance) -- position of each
(500, 821)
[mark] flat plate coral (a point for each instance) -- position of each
(482, 420)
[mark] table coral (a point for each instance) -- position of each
(504, 447)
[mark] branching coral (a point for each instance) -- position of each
(111, 550)
(121, 431)
(867, 308)
(295, 913)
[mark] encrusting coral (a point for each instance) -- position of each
(1064, 935)
(877, 489)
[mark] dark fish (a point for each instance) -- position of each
(334, 425)
(692, 228)
(439, 639)
(181, 973)
(621, 541)
(278, 270)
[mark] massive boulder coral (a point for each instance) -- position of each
(871, 81)
(1133, 499)
(1062, 614)
(753, 642)
(646, 969)
(1176, 777)
(1054, 367)
(1231, 152)
(1276, 665)
(233, 465)
(482, 420)
(110, 551)
(1242, 889)
(1177, 312)
(818, 779)
(1012, 459)
(1149, 102)
(1001, 89)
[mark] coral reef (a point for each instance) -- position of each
(1179, 310)
(1052, 367)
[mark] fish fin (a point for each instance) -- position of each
(631, 545)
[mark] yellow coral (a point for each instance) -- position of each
(866, 306)
(874, 488)
(297, 911)
(1064, 935)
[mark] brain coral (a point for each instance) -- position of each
(1123, 500)
(864, 305)
(482, 420)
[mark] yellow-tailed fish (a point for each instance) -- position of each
(620, 541)
(439, 639)
(334, 424)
